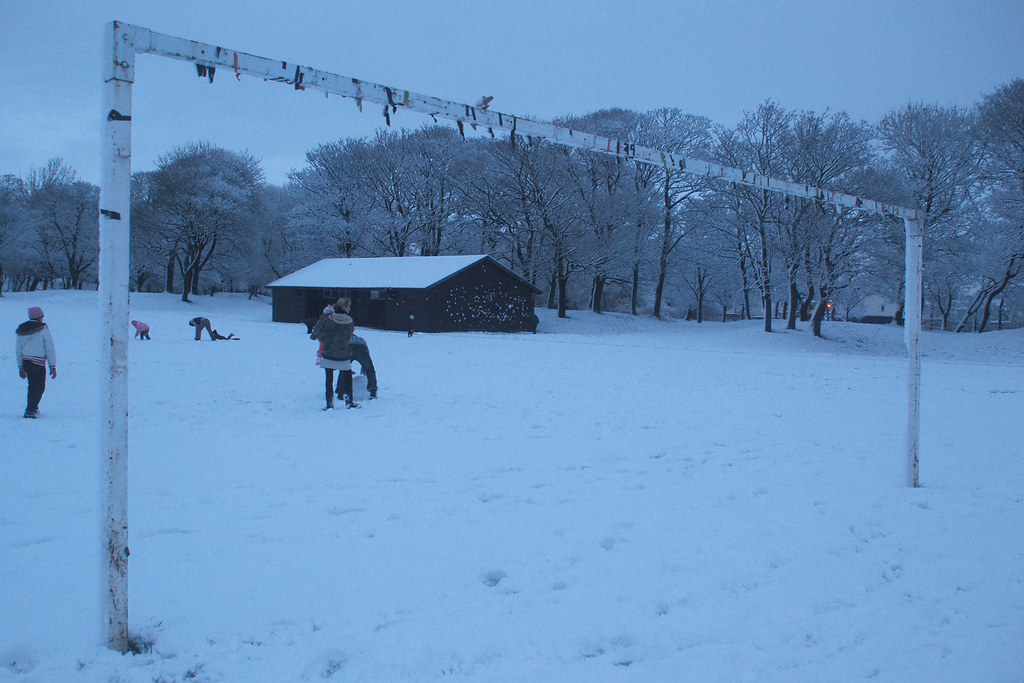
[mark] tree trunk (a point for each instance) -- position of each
(945, 310)
(746, 289)
(563, 281)
(794, 304)
(169, 282)
(805, 304)
(819, 315)
(986, 308)
(186, 285)
(766, 299)
(1012, 270)
(665, 247)
(657, 294)
(598, 293)
(635, 293)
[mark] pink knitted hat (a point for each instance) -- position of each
(35, 313)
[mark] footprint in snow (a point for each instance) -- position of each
(493, 577)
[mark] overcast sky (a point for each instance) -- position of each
(537, 58)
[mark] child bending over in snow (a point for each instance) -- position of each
(141, 329)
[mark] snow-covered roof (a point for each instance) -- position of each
(409, 272)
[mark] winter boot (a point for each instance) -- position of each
(346, 377)
(330, 400)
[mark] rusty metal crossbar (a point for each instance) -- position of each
(212, 57)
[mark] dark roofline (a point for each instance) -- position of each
(491, 259)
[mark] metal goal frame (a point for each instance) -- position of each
(124, 41)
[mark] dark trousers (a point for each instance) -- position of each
(361, 355)
(344, 383)
(200, 328)
(36, 384)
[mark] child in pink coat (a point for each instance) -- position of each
(141, 329)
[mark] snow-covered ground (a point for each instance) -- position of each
(613, 498)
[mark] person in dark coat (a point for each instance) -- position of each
(33, 352)
(335, 330)
(201, 323)
(361, 355)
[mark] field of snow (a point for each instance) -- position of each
(611, 499)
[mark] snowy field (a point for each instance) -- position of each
(611, 499)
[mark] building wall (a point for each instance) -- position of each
(295, 304)
(483, 298)
(873, 309)
(288, 305)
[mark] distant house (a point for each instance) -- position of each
(432, 293)
(873, 309)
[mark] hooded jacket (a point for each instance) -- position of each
(334, 331)
(35, 344)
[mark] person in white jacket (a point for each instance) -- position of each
(33, 353)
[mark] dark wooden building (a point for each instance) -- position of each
(432, 293)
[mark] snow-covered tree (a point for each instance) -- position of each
(937, 152)
(673, 131)
(64, 216)
(13, 204)
(203, 197)
(759, 143)
(1001, 130)
(825, 151)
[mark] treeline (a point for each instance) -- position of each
(590, 231)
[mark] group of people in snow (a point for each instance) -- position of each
(339, 346)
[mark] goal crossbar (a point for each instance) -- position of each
(145, 41)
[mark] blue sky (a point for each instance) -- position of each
(538, 59)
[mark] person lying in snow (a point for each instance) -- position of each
(201, 323)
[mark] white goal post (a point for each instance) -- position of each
(124, 41)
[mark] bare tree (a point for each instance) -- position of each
(13, 207)
(538, 202)
(65, 212)
(1001, 129)
(603, 187)
(759, 144)
(825, 151)
(328, 198)
(673, 131)
(937, 151)
(203, 196)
